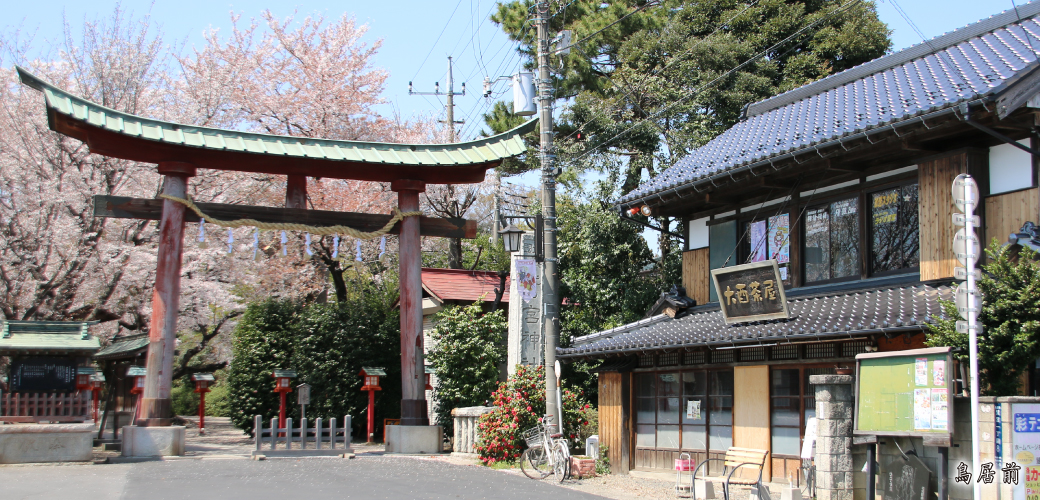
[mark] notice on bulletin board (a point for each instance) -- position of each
(1025, 443)
(940, 409)
(939, 372)
(922, 409)
(921, 371)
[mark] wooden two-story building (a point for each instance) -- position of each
(846, 182)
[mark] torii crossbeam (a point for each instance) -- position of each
(180, 150)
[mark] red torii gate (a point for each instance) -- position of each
(179, 150)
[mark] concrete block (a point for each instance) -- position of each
(834, 410)
(833, 428)
(414, 439)
(831, 380)
(153, 441)
(791, 492)
(836, 445)
(33, 443)
(759, 492)
(703, 490)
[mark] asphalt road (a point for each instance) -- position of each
(275, 479)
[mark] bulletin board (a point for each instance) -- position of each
(905, 393)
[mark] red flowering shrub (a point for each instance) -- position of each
(519, 403)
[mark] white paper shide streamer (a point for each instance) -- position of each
(357, 255)
(335, 246)
(307, 247)
(202, 235)
(285, 241)
(230, 241)
(256, 245)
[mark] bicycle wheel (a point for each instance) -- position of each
(534, 463)
(561, 460)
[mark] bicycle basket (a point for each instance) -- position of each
(533, 436)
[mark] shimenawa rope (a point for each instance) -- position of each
(289, 226)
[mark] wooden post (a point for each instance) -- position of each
(296, 192)
(413, 379)
(162, 337)
(202, 411)
(281, 409)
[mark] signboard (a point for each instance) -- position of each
(43, 375)
(1025, 443)
(904, 393)
(303, 394)
(751, 292)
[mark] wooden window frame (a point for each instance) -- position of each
(680, 370)
(803, 387)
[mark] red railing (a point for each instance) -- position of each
(45, 406)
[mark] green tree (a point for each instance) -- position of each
(468, 351)
(327, 344)
(1010, 319)
(650, 78)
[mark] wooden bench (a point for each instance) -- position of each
(736, 459)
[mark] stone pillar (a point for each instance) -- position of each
(834, 465)
(525, 323)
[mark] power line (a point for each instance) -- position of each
(437, 40)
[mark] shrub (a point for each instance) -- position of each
(467, 354)
(519, 404)
(327, 344)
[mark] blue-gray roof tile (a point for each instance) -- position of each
(974, 62)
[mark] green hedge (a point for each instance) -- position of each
(327, 344)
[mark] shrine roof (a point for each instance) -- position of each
(462, 284)
(24, 337)
(125, 347)
(123, 135)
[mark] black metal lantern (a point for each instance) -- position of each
(511, 238)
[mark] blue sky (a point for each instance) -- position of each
(418, 37)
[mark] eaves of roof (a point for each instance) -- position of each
(124, 135)
(971, 65)
(462, 284)
(123, 347)
(890, 310)
(47, 336)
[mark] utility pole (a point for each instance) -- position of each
(449, 107)
(550, 274)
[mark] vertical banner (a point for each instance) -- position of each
(527, 278)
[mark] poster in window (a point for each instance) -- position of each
(759, 251)
(693, 409)
(844, 238)
(779, 238)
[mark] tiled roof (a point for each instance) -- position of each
(124, 347)
(970, 64)
(490, 150)
(461, 284)
(893, 309)
(43, 336)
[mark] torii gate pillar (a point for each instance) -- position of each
(413, 373)
(155, 408)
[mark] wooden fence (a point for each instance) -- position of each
(295, 440)
(45, 406)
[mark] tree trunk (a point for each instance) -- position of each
(455, 253)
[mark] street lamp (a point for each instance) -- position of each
(511, 238)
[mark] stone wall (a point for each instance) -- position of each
(467, 434)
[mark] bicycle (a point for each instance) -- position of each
(547, 452)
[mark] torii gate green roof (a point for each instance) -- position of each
(123, 135)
